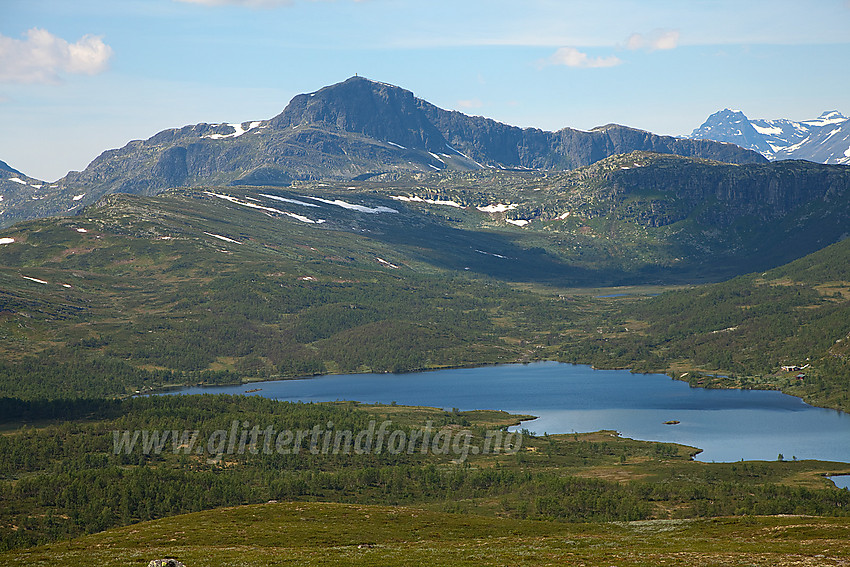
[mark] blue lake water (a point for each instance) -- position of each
(728, 425)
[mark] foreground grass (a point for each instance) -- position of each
(338, 534)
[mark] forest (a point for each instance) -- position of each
(60, 478)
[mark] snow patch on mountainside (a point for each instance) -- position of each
(262, 208)
(497, 208)
(285, 200)
(770, 130)
(220, 237)
(824, 139)
(352, 206)
(384, 262)
(238, 130)
(416, 199)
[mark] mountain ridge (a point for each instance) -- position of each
(8, 168)
(825, 139)
(350, 130)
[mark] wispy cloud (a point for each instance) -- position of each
(572, 57)
(246, 3)
(656, 41)
(249, 3)
(470, 103)
(43, 57)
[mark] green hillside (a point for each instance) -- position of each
(189, 283)
(218, 285)
(340, 534)
(746, 329)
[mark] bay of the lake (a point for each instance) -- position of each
(728, 425)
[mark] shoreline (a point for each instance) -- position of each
(669, 372)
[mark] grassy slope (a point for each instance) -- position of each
(332, 534)
(141, 283)
(152, 293)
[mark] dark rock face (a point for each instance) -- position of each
(667, 189)
(379, 111)
(360, 127)
(171, 167)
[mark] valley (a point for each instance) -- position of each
(364, 230)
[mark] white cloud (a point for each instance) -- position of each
(572, 57)
(470, 103)
(658, 40)
(42, 57)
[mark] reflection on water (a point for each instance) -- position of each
(728, 425)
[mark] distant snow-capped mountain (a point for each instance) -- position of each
(826, 139)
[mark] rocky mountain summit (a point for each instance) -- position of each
(351, 130)
(825, 139)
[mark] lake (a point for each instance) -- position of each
(729, 425)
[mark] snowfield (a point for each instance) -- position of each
(220, 237)
(285, 200)
(416, 199)
(262, 208)
(238, 130)
(497, 208)
(382, 261)
(353, 207)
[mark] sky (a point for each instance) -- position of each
(83, 76)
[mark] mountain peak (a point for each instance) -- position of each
(826, 118)
(363, 106)
(824, 139)
(733, 126)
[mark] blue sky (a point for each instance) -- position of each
(79, 77)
